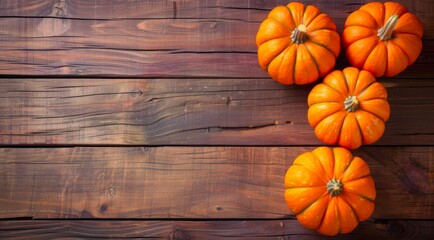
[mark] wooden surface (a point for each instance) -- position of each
(153, 119)
(191, 182)
(230, 229)
(187, 112)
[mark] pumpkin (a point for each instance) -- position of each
(382, 38)
(348, 108)
(297, 44)
(330, 190)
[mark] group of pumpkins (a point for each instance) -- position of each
(329, 189)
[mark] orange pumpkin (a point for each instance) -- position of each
(348, 108)
(297, 44)
(330, 190)
(383, 39)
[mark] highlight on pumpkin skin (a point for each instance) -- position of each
(348, 108)
(297, 44)
(330, 190)
(382, 38)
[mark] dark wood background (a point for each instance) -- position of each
(153, 119)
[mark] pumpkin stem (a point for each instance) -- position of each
(351, 104)
(299, 34)
(334, 187)
(385, 33)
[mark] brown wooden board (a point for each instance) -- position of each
(154, 38)
(213, 229)
(152, 119)
(191, 182)
(187, 112)
(83, 62)
(249, 10)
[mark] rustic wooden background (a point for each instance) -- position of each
(153, 119)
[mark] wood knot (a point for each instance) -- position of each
(103, 208)
(60, 9)
(86, 214)
(178, 234)
(228, 101)
(402, 229)
(110, 191)
(415, 178)
(55, 25)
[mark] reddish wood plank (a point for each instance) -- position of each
(99, 39)
(250, 10)
(250, 229)
(93, 62)
(191, 182)
(175, 36)
(187, 112)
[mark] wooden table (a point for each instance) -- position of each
(153, 119)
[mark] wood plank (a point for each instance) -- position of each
(227, 229)
(194, 35)
(249, 10)
(94, 62)
(191, 182)
(187, 112)
(175, 36)
(221, 43)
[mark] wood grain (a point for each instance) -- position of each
(249, 10)
(93, 62)
(153, 119)
(191, 182)
(153, 39)
(187, 112)
(214, 229)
